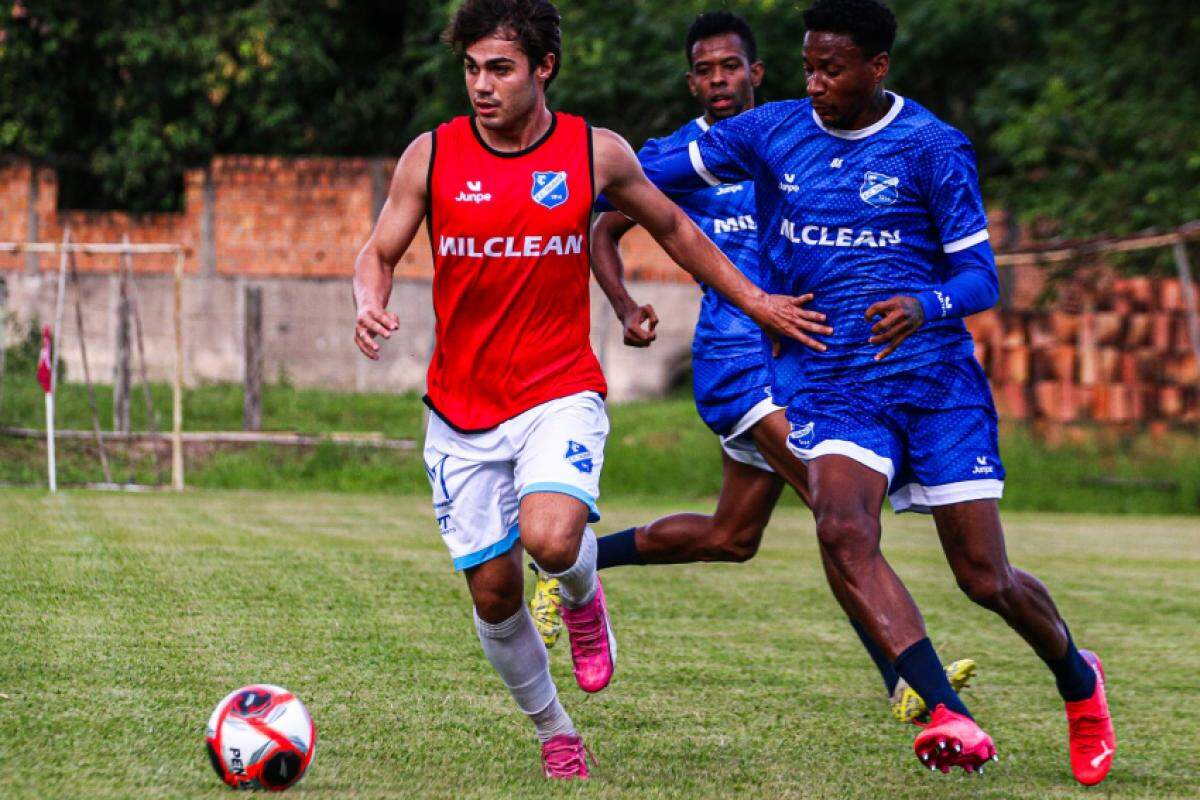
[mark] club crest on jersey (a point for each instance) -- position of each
(879, 189)
(579, 457)
(550, 189)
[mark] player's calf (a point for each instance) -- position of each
(731, 543)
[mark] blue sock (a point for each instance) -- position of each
(617, 550)
(1075, 677)
(920, 667)
(886, 670)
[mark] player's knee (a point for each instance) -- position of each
(494, 604)
(990, 588)
(736, 543)
(848, 537)
(553, 550)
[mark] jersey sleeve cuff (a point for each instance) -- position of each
(931, 304)
(698, 165)
(965, 242)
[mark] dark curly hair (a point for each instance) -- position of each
(533, 24)
(869, 23)
(716, 23)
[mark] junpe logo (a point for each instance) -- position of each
(474, 194)
(982, 467)
(788, 185)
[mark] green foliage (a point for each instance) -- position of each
(1097, 128)
(1085, 114)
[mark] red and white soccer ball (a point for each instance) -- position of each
(261, 737)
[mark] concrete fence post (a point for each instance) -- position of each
(252, 336)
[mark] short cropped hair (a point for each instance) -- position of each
(716, 23)
(869, 23)
(533, 24)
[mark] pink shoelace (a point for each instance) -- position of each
(564, 757)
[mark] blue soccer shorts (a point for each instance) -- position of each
(931, 432)
(733, 395)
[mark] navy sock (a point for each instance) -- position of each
(617, 550)
(886, 670)
(1075, 677)
(920, 667)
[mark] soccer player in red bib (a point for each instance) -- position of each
(515, 443)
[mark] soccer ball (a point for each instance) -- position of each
(261, 737)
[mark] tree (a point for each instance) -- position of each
(1085, 114)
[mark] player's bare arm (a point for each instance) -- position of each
(398, 223)
(638, 322)
(619, 176)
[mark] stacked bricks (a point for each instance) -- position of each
(1123, 356)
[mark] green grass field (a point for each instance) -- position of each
(126, 618)
(657, 448)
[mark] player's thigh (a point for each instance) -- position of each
(474, 501)
(748, 496)
(770, 439)
(560, 451)
(850, 448)
(953, 449)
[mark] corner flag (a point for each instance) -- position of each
(44, 375)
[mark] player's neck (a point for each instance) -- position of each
(711, 120)
(875, 109)
(523, 135)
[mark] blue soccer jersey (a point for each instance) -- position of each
(855, 217)
(725, 212)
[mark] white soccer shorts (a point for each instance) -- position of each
(478, 479)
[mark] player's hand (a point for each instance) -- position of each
(899, 318)
(373, 321)
(639, 323)
(782, 315)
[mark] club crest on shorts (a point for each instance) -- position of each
(801, 437)
(879, 189)
(579, 457)
(550, 189)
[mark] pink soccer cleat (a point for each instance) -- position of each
(565, 758)
(593, 647)
(953, 740)
(1092, 738)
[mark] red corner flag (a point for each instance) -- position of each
(44, 374)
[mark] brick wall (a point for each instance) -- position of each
(1113, 351)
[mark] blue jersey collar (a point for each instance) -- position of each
(863, 133)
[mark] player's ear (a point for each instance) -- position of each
(545, 69)
(691, 82)
(880, 65)
(757, 70)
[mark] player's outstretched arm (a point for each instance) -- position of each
(620, 177)
(394, 231)
(637, 321)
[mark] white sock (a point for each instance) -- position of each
(518, 655)
(577, 584)
(553, 721)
